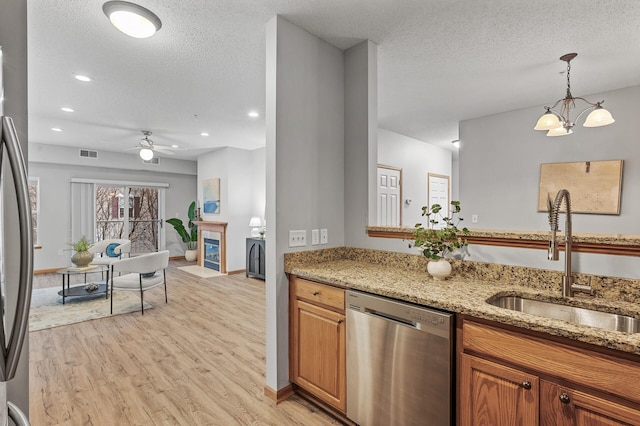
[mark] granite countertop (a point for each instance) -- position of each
(467, 296)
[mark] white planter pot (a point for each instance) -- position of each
(439, 269)
(191, 255)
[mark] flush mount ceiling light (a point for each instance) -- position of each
(560, 123)
(82, 78)
(132, 19)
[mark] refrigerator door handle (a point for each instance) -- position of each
(12, 349)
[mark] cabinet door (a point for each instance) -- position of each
(494, 395)
(562, 406)
(319, 352)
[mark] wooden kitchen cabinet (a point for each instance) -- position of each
(564, 406)
(317, 340)
(492, 394)
(506, 378)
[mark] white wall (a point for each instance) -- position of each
(500, 159)
(54, 227)
(13, 39)
(242, 195)
(55, 154)
(361, 140)
(416, 159)
(305, 163)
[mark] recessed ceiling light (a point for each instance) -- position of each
(132, 19)
(56, 129)
(82, 78)
(253, 114)
(174, 146)
(66, 109)
(204, 134)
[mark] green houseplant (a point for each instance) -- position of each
(190, 236)
(441, 237)
(81, 257)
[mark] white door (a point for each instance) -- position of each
(389, 196)
(438, 187)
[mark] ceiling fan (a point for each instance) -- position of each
(147, 147)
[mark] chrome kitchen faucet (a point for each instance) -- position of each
(568, 286)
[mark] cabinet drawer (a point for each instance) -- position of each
(318, 293)
(581, 366)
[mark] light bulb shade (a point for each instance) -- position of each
(255, 222)
(132, 19)
(559, 131)
(548, 121)
(598, 117)
(146, 154)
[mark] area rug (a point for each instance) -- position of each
(200, 271)
(47, 310)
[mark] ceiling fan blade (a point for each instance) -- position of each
(167, 148)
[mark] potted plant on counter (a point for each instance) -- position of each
(441, 237)
(190, 237)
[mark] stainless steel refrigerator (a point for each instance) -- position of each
(15, 276)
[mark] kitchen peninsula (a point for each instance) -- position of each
(532, 354)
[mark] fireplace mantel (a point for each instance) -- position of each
(221, 227)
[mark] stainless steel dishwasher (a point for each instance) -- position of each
(399, 363)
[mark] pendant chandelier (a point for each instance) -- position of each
(559, 122)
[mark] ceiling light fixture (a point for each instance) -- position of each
(204, 134)
(253, 114)
(559, 123)
(56, 129)
(67, 109)
(132, 19)
(146, 154)
(82, 78)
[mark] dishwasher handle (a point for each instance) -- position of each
(390, 317)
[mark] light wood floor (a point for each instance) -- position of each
(198, 360)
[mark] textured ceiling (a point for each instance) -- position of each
(439, 62)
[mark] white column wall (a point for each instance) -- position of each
(305, 163)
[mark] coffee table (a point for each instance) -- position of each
(80, 290)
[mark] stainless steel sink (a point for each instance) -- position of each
(599, 319)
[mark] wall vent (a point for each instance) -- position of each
(154, 160)
(86, 153)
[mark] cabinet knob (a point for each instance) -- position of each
(315, 293)
(564, 398)
(340, 321)
(526, 384)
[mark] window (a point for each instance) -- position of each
(34, 198)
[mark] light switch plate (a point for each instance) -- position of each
(315, 237)
(324, 236)
(298, 238)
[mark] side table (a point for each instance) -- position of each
(80, 290)
(256, 258)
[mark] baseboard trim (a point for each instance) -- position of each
(279, 395)
(237, 271)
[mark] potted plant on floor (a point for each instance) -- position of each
(190, 237)
(81, 257)
(441, 237)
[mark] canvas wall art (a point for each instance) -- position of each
(211, 195)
